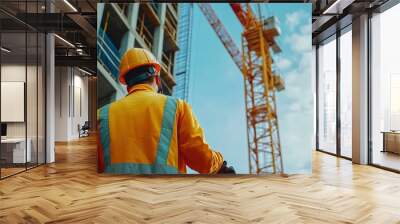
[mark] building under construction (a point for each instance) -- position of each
(121, 26)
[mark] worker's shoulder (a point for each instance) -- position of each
(172, 98)
(179, 102)
(102, 109)
(105, 106)
(165, 97)
(182, 105)
(157, 97)
(151, 98)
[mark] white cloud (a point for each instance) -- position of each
(299, 37)
(295, 107)
(283, 63)
(299, 42)
(297, 82)
(291, 78)
(306, 28)
(305, 62)
(293, 19)
(295, 103)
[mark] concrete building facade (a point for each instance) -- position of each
(121, 26)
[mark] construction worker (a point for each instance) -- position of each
(150, 133)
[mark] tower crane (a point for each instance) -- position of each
(261, 84)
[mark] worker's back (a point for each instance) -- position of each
(142, 132)
(150, 133)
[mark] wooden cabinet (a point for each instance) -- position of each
(391, 142)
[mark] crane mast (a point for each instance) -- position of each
(261, 84)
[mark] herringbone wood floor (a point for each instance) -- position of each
(70, 191)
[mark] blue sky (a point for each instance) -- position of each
(217, 88)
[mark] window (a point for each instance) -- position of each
(394, 102)
(385, 89)
(327, 96)
(346, 93)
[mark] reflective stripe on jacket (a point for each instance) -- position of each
(150, 133)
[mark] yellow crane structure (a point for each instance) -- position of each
(261, 84)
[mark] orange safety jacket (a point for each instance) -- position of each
(150, 133)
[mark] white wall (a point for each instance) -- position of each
(33, 127)
(17, 72)
(61, 103)
(14, 72)
(71, 102)
(80, 103)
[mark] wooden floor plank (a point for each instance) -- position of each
(70, 191)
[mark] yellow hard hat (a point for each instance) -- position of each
(135, 58)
